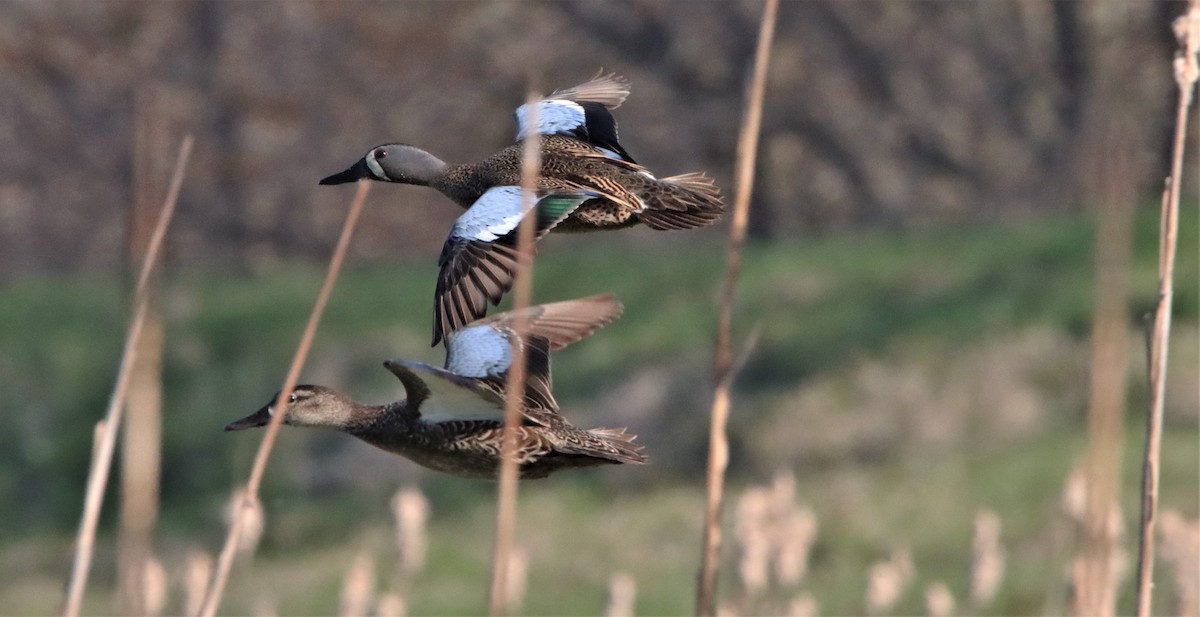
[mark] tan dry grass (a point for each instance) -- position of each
(723, 361)
(107, 432)
(216, 589)
(1187, 70)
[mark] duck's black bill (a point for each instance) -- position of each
(356, 172)
(262, 417)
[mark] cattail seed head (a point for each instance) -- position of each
(411, 511)
(622, 590)
(987, 558)
(358, 587)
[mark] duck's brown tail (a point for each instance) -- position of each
(685, 201)
(616, 445)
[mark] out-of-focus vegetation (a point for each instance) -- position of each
(907, 380)
(920, 271)
(878, 113)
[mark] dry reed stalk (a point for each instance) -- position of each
(622, 592)
(939, 602)
(1112, 189)
(197, 571)
(141, 436)
(225, 562)
(987, 558)
(358, 587)
(1187, 30)
(718, 443)
(410, 508)
(103, 453)
(500, 602)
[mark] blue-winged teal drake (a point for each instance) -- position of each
(451, 419)
(580, 152)
(583, 164)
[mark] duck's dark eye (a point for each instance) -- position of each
(293, 397)
(380, 153)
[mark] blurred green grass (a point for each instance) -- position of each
(824, 304)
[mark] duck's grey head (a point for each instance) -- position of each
(307, 406)
(392, 163)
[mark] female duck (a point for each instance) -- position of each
(452, 418)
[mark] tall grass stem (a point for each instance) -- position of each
(718, 445)
(212, 597)
(1187, 29)
(501, 602)
(102, 460)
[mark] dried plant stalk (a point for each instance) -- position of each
(501, 602)
(141, 438)
(1187, 30)
(103, 453)
(718, 443)
(216, 589)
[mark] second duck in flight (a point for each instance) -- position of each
(452, 418)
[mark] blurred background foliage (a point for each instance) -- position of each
(920, 270)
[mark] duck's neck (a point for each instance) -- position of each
(412, 165)
(378, 419)
(462, 183)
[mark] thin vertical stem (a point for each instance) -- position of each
(1187, 29)
(102, 461)
(212, 598)
(718, 444)
(506, 506)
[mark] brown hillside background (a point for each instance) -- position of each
(877, 113)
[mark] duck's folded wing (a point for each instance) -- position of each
(582, 112)
(441, 396)
(480, 256)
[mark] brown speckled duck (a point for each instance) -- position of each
(591, 180)
(452, 417)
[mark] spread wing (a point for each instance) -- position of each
(483, 349)
(583, 112)
(480, 255)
